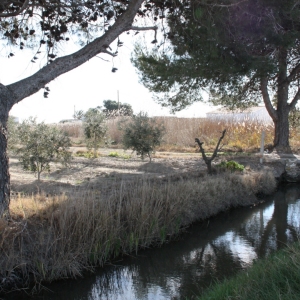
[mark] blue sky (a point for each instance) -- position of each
(85, 87)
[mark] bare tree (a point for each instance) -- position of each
(206, 159)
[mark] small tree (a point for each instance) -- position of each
(78, 114)
(142, 135)
(206, 159)
(94, 128)
(42, 144)
(113, 108)
(12, 137)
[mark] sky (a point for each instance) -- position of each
(86, 86)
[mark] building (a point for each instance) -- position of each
(255, 113)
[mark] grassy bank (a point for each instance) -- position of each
(276, 277)
(50, 238)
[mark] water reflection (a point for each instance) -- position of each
(207, 252)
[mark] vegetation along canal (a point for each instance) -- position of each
(208, 251)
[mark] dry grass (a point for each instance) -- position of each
(58, 237)
(243, 136)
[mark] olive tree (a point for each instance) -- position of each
(94, 128)
(12, 137)
(41, 144)
(46, 26)
(142, 134)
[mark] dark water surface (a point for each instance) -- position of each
(206, 252)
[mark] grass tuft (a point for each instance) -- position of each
(275, 277)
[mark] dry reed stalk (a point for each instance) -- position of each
(181, 132)
(58, 237)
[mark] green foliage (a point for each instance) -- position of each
(294, 118)
(116, 154)
(78, 114)
(274, 277)
(12, 139)
(142, 135)
(231, 165)
(113, 108)
(41, 144)
(224, 50)
(235, 50)
(86, 154)
(94, 129)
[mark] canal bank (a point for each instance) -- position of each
(207, 252)
(139, 215)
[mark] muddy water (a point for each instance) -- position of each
(206, 252)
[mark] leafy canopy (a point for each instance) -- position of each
(45, 25)
(41, 144)
(225, 48)
(142, 134)
(113, 108)
(94, 128)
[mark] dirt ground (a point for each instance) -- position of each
(101, 172)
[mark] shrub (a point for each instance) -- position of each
(142, 134)
(12, 137)
(86, 154)
(116, 154)
(231, 165)
(40, 145)
(94, 128)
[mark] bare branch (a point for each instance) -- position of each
(293, 73)
(109, 53)
(205, 158)
(266, 97)
(295, 100)
(146, 28)
(15, 13)
(137, 28)
(102, 58)
(61, 65)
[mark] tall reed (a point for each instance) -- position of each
(244, 135)
(51, 238)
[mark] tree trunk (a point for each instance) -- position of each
(280, 116)
(282, 131)
(4, 162)
(282, 134)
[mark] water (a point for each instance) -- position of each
(206, 252)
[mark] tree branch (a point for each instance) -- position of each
(12, 14)
(146, 28)
(137, 28)
(109, 53)
(205, 158)
(295, 100)
(264, 90)
(59, 66)
(293, 73)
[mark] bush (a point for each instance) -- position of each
(231, 165)
(94, 129)
(86, 154)
(116, 154)
(40, 145)
(12, 137)
(142, 135)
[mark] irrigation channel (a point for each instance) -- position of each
(206, 252)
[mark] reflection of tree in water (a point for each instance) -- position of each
(209, 256)
(209, 251)
(278, 226)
